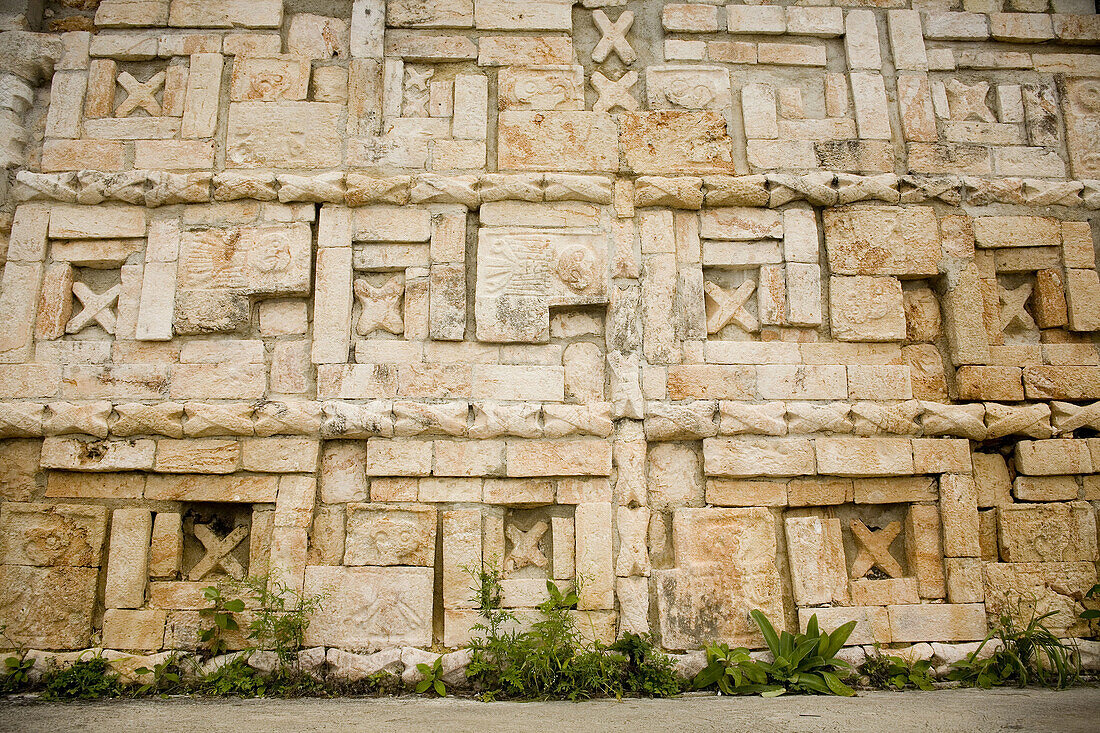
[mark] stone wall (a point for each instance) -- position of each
(713, 307)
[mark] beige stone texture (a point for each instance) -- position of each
(680, 141)
(372, 607)
(1047, 587)
(134, 629)
(47, 607)
(866, 308)
(128, 558)
(726, 561)
(816, 553)
(1055, 532)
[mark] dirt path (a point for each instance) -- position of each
(951, 710)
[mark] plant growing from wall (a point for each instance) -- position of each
(433, 678)
(1032, 654)
(887, 671)
(220, 616)
(86, 679)
(805, 662)
(733, 671)
(282, 617)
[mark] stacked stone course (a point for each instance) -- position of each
(703, 307)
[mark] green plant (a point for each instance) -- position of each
(647, 672)
(282, 617)
(16, 674)
(1023, 655)
(86, 679)
(234, 678)
(805, 662)
(166, 678)
(1091, 614)
(886, 670)
(732, 671)
(552, 659)
(221, 615)
(433, 678)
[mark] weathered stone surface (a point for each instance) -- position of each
(1061, 532)
(882, 240)
(725, 566)
(371, 608)
(52, 534)
(379, 535)
(47, 607)
(816, 553)
(866, 308)
(1047, 587)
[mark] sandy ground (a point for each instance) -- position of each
(941, 710)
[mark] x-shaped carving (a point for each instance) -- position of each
(968, 102)
(1069, 417)
(380, 307)
(525, 547)
(730, 306)
(874, 549)
(1012, 307)
(96, 307)
(217, 552)
(614, 37)
(140, 94)
(615, 93)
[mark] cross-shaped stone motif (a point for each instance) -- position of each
(140, 94)
(874, 549)
(525, 547)
(1012, 307)
(615, 93)
(730, 306)
(968, 102)
(380, 306)
(614, 37)
(217, 552)
(96, 307)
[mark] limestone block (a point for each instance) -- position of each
(884, 592)
(48, 607)
(864, 456)
(593, 555)
(675, 477)
(865, 308)
(633, 598)
(1053, 457)
(716, 569)
(379, 535)
(746, 457)
(894, 490)
(941, 456)
(128, 558)
(52, 535)
(197, 456)
(816, 553)
(557, 140)
(948, 621)
(1048, 587)
(194, 487)
(575, 457)
(268, 79)
(134, 629)
(166, 545)
(872, 623)
(883, 240)
(959, 513)
(115, 455)
(294, 134)
(371, 607)
(1056, 532)
(680, 141)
